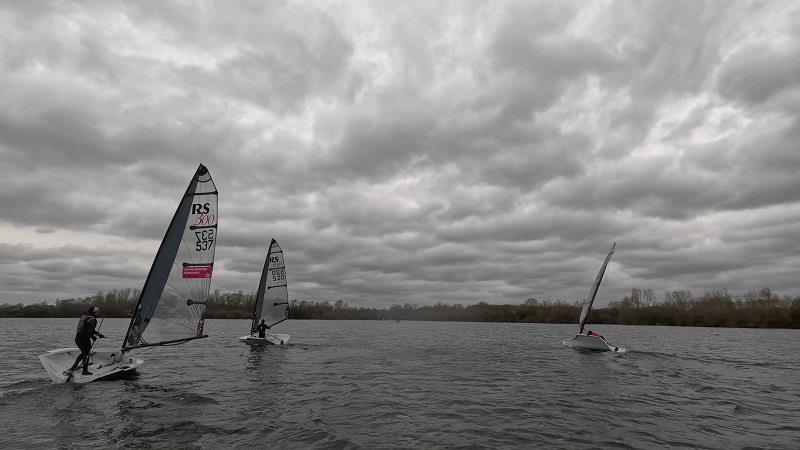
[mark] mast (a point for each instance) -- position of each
(188, 281)
(587, 306)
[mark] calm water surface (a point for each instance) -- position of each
(385, 384)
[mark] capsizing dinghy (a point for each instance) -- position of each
(173, 302)
(591, 340)
(272, 300)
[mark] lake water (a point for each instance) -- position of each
(385, 384)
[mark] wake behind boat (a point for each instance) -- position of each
(272, 300)
(172, 305)
(591, 340)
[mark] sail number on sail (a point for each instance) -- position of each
(205, 240)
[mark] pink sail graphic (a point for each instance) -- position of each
(197, 271)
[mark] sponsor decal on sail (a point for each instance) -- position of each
(197, 271)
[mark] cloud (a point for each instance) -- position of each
(402, 153)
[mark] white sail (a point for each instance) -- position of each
(272, 299)
(587, 305)
(173, 302)
(172, 305)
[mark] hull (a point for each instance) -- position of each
(103, 365)
(270, 339)
(593, 343)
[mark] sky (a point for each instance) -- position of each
(405, 152)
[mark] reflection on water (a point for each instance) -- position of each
(351, 384)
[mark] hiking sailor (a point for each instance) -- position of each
(262, 329)
(84, 338)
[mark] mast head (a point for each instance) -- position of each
(202, 170)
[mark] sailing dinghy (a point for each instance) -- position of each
(591, 340)
(272, 299)
(173, 302)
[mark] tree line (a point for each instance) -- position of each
(715, 308)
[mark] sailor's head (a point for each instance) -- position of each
(94, 311)
(262, 320)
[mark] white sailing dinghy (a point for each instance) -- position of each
(272, 299)
(173, 302)
(590, 340)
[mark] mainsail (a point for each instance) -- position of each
(587, 305)
(272, 299)
(172, 305)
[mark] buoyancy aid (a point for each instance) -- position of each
(84, 326)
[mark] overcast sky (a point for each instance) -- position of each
(405, 151)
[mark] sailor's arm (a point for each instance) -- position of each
(90, 327)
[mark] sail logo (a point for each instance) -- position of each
(197, 208)
(203, 216)
(274, 261)
(205, 219)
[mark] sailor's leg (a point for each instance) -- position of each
(86, 363)
(77, 361)
(86, 347)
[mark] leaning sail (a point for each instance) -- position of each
(172, 304)
(587, 306)
(272, 299)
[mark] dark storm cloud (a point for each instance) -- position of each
(402, 153)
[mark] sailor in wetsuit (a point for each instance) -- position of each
(262, 329)
(84, 337)
(592, 333)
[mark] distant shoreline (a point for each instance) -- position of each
(593, 324)
(714, 309)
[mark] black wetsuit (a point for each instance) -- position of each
(83, 339)
(262, 330)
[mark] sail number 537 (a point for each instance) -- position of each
(205, 240)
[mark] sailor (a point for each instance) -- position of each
(262, 329)
(84, 338)
(592, 333)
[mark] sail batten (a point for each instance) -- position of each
(587, 305)
(173, 302)
(272, 298)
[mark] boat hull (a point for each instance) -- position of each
(103, 365)
(593, 343)
(270, 339)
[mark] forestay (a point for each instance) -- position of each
(587, 305)
(173, 302)
(272, 299)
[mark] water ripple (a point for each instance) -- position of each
(354, 385)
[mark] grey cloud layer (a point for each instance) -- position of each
(404, 153)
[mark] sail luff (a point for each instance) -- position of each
(587, 306)
(262, 285)
(164, 263)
